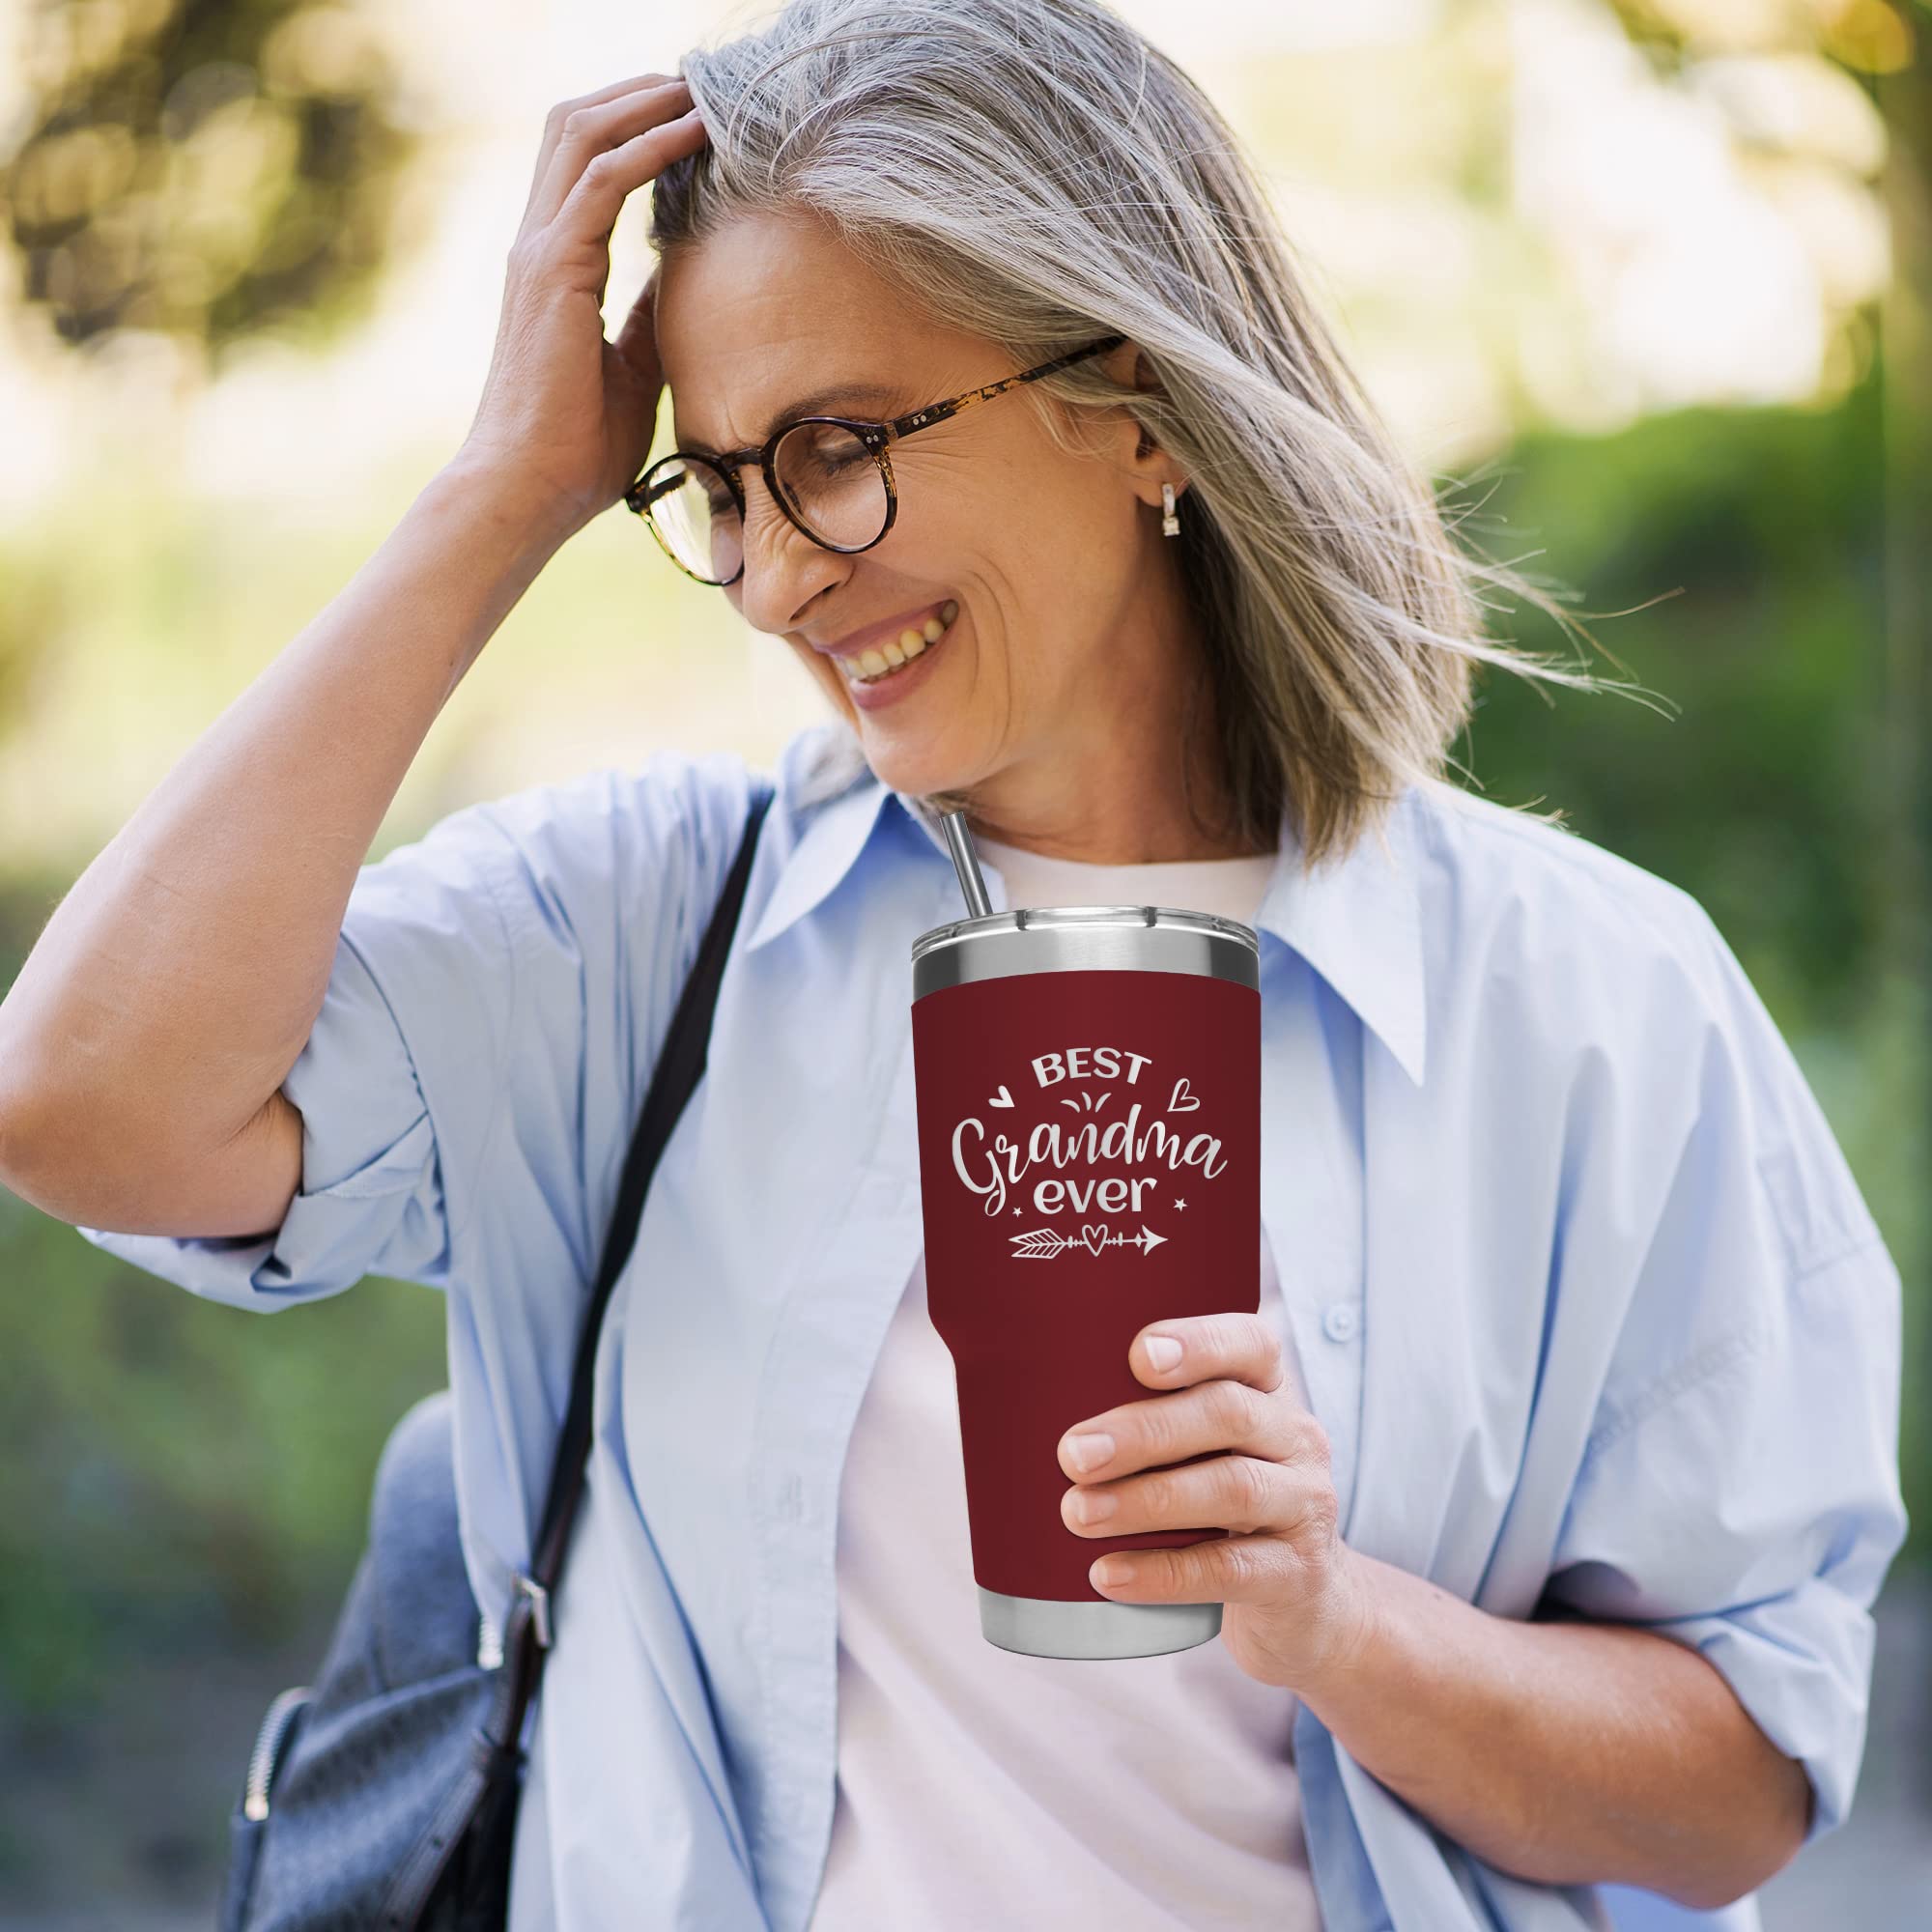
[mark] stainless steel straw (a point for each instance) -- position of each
(966, 862)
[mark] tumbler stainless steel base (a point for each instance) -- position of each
(1045, 1627)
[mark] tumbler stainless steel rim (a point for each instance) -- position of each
(1048, 1627)
(1061, 939)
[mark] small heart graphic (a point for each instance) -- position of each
(1002, 1099)
(1184, 1101)
(1095, 1234)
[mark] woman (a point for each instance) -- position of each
(1560, 1472)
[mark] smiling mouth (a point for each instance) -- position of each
(882, 661)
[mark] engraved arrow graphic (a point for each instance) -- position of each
(1043, 1243)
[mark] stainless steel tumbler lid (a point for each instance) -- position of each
(1059, 939)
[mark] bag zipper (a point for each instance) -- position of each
(266, 1759)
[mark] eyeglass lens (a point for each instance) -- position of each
(831, 484)
(691, 508)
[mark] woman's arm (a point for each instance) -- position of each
(143, 1044)
(1564, 1752)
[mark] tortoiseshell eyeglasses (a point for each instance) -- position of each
(830, 475)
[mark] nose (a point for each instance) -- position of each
(784, 570)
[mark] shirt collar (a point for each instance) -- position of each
(1358, 920)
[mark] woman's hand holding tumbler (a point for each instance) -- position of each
(1294, 1606)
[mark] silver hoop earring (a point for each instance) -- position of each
(1169, 524)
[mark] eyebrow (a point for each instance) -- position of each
(819, 402)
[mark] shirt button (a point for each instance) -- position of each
(1340, 1321)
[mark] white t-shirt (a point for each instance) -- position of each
(981, 1787)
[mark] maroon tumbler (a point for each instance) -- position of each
(1088, 1098)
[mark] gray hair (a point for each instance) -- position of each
(1035, 172)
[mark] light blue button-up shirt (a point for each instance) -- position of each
(1584, 1290)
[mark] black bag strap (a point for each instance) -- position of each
(498, 1748)
(680, 1064)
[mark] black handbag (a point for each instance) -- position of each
(386, 1795)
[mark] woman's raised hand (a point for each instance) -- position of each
(564, 411)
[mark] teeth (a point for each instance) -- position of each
(866, 666)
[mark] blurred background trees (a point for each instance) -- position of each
(209, 171)
(1643, 285)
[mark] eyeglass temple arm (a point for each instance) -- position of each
(933, 412)
(941, 411)
(639, 499)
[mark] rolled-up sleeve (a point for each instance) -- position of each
(499, 986)
(1739, 1489)
(370, 1199)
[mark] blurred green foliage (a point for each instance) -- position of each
(177, 1476)
(1761, 532)
(209, 171)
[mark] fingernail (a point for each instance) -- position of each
(1163, 1350)
(1090, 1451)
